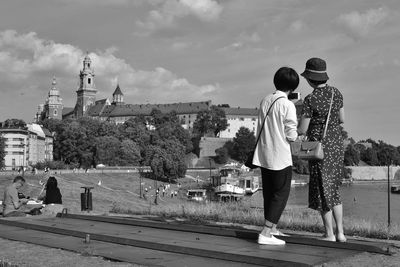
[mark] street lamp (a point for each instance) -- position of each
(209, 160)
(140, 181)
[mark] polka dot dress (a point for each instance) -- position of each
(325, 175)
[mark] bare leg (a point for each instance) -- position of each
(338, 216)
(328, 224)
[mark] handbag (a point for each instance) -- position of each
(249, 161)
(311, 150)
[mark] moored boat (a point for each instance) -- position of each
(395, 189)
(233, 181)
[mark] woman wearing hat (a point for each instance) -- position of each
(325, 175)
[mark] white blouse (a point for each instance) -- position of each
(280, 128)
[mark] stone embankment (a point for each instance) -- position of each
(372, 173)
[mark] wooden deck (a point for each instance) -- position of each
(159, 243)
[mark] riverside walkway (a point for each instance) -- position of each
(155, 242)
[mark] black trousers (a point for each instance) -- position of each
(276, 189)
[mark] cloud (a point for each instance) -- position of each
(168, 11)
(361, 24)
(243, 41)
(24, 55)
(28, 59)
(207, 10)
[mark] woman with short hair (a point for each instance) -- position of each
(277, 126)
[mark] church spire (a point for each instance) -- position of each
(118, 96)
(86, 93)
(53, 106)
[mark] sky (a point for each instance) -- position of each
(226, 51)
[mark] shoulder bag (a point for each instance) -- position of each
(250, 155)
(311, 150)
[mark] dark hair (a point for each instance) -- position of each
(316, 82)
(19, 178)
(51, 183)
(286, 79)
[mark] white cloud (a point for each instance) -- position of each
(26, 57)
(207, 10)
(243, 41)
(360, 24)
(168, 11)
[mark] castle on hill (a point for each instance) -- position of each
(118, 111)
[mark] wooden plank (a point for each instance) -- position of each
(162, 247)
(202, 241)
(381, 248)
(111, 251)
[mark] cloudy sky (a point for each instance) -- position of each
(226, 51)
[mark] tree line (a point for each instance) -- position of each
(368, 151)
(158, 141)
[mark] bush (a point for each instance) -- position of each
(54, 165)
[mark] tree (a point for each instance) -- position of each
(370, 157)
(107, 150)
(243, 143)
(351, 156)
(129, 153)
(222, 155)
(211, 121)
(158, 118)
(172, 130)
(14, 124)
(136, 131)
(166, 159)
(387, 154)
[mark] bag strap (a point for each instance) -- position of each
(329, 114)
(266, 115)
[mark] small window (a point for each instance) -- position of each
(89, 80)
(55, 112)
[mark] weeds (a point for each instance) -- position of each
(293, 218)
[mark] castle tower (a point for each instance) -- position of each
(53, 105)
(86, 93)
(118, 97)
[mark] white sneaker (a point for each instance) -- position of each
(278, 233)
(263, 240)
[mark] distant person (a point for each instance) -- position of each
(11, 203)
(325, 175)
(277, 126)
(52, 194)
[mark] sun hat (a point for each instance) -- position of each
(315, 70)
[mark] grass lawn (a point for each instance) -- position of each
(120, 193)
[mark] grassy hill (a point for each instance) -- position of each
(110, 190)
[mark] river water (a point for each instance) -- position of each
(362, 201)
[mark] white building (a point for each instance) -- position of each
(237, 118)
(25, 147)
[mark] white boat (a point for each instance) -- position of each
(229, 188)
(233, 181)
(198, 195)
(298, 183)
